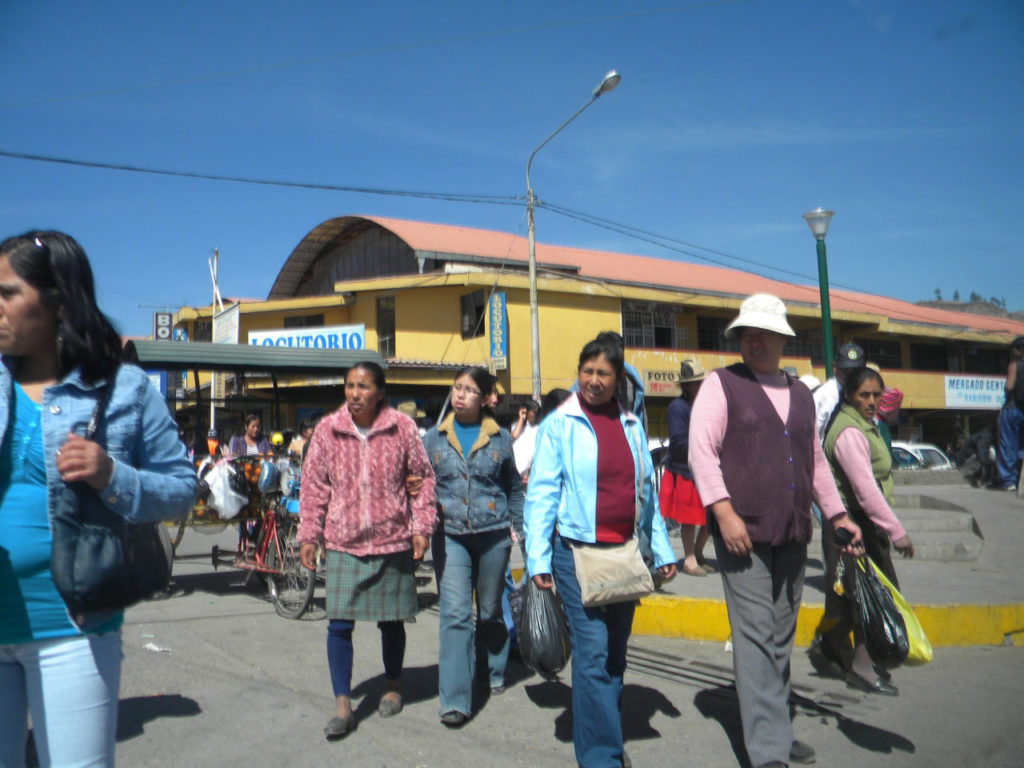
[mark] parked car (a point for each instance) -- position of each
(919, 456)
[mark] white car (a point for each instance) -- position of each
(919, 456)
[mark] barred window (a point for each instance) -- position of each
(386, 326)
(472, 314)
(884, 354)
(711, 335)
(648, 325)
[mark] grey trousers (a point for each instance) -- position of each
(762, 595)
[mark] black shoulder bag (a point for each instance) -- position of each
(100, 562)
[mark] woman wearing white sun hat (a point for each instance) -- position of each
(757, 464)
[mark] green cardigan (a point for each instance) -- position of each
(881, 460)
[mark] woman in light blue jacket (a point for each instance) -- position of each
(480, 499)
(590, 469)
(59, 353)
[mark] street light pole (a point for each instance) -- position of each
(818, 221)
(608, 83)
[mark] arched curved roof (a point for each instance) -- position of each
(442, 242)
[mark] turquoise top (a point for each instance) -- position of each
(466, 434)
(30, 606)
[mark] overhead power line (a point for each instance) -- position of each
(450, 196)
(662, 241)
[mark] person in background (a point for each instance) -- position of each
(251, 442)
(757, 464)
(297, 446)
(591, 469)
(678, 497)
(524, 435)
(480, 501)
(1011, 421)
(410, 409)
(889, 413)
(60, 354)
(862, 466)
(827, 396)
(976, 458)
(355, 499)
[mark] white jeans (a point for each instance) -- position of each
(69, 685)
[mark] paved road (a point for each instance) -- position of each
(213, 677)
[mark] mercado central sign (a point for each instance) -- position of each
(322, 337)
(980, 392)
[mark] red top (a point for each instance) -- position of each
(616, 475)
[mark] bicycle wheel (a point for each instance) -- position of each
(292, 589)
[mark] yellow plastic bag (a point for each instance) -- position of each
(920, 648)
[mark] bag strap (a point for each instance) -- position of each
(97, 413)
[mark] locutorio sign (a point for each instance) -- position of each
(323, 337)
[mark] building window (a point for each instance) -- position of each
(304, 321)
(386, 326)
(202, 330)
(473, 315)
(808, 343)
(884, 354)
(652, 326)
(928, 357)
(711, 335)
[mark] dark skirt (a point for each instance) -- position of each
(371, 587)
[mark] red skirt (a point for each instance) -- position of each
(679, 501)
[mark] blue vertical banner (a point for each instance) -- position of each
(499, 331)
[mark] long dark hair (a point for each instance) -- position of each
(56, 265)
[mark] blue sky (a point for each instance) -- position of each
(732, 119)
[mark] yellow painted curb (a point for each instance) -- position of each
(945, 625)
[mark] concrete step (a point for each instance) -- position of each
(946, 547)
(922, 520)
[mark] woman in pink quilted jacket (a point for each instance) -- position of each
(354, 498)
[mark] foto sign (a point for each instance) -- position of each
(322, 337)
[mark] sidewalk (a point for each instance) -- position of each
(957, 603)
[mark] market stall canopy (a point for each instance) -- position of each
(243, 358)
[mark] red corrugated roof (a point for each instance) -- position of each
(670, 273)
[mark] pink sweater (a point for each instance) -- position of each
(353, 488)
(708, 422)
(854, 455)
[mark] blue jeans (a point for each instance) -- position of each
(69, 684)
(464, 563)
(1011, 422)
(599, 637)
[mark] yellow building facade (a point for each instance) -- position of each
(431, 299)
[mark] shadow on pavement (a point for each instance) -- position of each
(418, 684)
(133, 713)
(639, 705)
(721, 704)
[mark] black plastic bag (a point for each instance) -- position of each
(541, 628)
(885, 631)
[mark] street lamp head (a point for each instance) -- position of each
(609, 83)
(818, 220)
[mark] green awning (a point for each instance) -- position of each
(243, 358)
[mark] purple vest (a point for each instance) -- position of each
(768, 466)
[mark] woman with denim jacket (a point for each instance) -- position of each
(591, 468)
(59, 353)
(480, 499)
